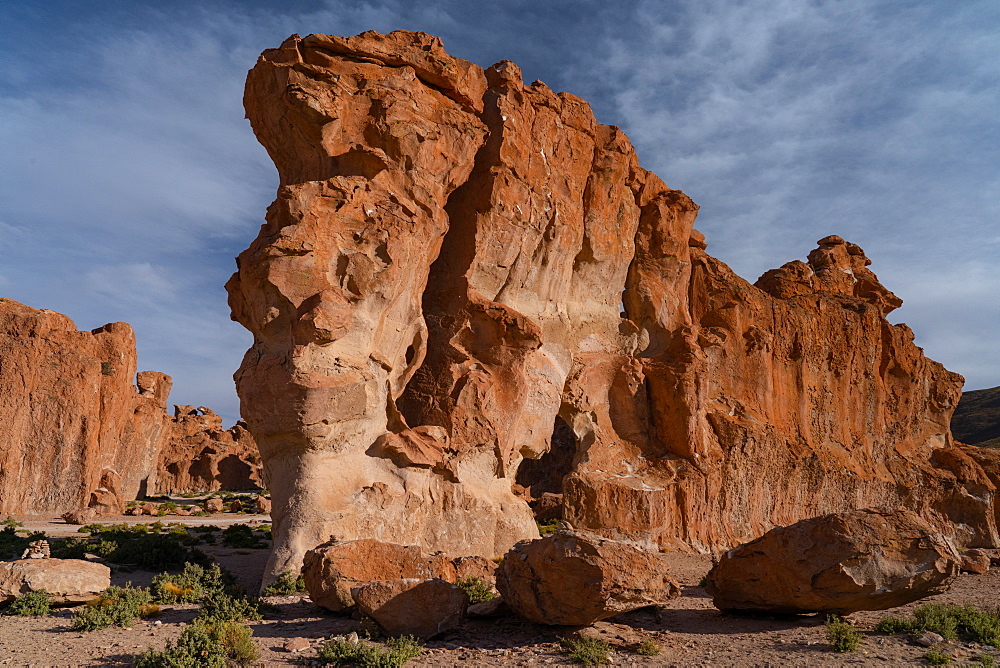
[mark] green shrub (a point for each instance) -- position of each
(286, 583)
(33, 604)
(116, 606)
(986, 660)
(648, 647)
(12, 545)
(12, 523)
(842, 635)
(220, 607)
(477, 589)
(949, 621)
(587, 650)
(395, 653)
(205, 644)
(547, 527)
(191, 584)
(936, 657)
(241, 535)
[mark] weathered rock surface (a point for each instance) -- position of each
(67, 580)
(333, 570)
(201, 456)
(841, 563)
(78, 437)
(456, 262)
(577, 579)
(424, 608)
(74, 429)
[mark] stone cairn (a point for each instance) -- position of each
(38, 549)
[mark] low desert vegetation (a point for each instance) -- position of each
(394, 653)
(116, 606)
(222, 607)
(841, 635)
(587, 650)
(205, 643)
(286, 583)
(191, 585)
(548, 527)
(936, 657)
(951, 622)
(243, 536)
(648, 647)
(477, 589)
(33, 604)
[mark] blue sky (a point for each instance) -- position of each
(129, 179)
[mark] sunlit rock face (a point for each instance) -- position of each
(78, 428)
(455, 259)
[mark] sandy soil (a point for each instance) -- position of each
(690, 631)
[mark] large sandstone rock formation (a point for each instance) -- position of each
(455, 259)
(70, 414)
(66, 580)
(77, 436)
(840, 563)
(202, 456)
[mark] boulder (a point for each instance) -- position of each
(263, 505)
(572, 578)
(214, 505)
(467, 283)
(423, 608)
(333, 570)
(66, 580)
(976, 561)
(838, 563)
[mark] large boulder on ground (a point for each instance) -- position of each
(67, 580)
(332, 570)
(424, 608)
(841, 563)
(576, 579)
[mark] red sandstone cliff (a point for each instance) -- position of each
(76, 433)
(455, 259)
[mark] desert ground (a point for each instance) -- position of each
(689, 630)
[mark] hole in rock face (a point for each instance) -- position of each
(546, 473)
(411, 352)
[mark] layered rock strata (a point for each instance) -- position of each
(81, 432)
(455, 259)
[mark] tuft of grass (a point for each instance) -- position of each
(477, 589)
(116, 606)
(548, 527)
(842, 635)
(936, 657)
(286, 583)
(33, 604)
(190, 585)
(648, 647)
(221, 607)
(951, 622)
(587, 650)
(205, 644)
(395, 653)
(986, 660)
(12, 523)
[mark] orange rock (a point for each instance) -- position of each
(200, 456)
(214, 505)
(840, 563)
(455, 260)
(576, 579)
(423, 608)
(975, 561)
(331, 571)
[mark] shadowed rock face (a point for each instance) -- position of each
(454, 259)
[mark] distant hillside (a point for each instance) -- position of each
(977, 418)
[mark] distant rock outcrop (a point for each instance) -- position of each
(455, 259)
(977, 418)
(201, 456)
(78, 437)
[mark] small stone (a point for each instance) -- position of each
(297, 645)
(929, 639)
